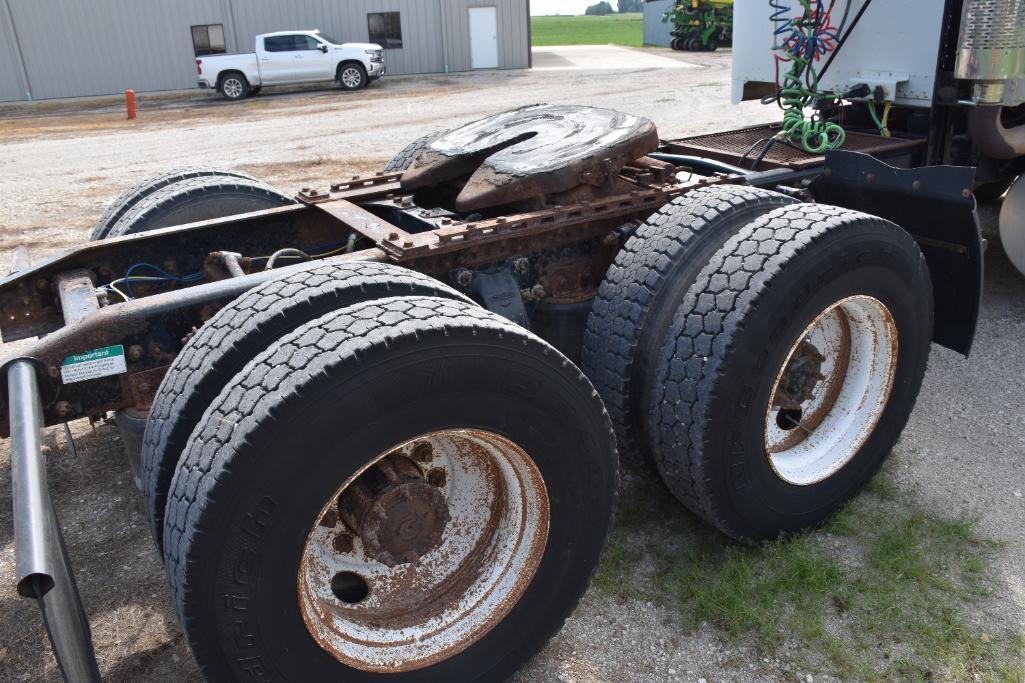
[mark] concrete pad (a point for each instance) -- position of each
(601, 57)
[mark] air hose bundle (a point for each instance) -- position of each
(804, 40)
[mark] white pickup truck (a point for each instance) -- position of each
(291, 57)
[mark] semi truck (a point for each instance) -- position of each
(377, 426)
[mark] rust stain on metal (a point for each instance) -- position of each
(410, 599)
(143, 385)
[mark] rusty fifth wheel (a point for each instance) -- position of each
(790, 368)
(409, 485)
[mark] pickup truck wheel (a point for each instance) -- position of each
(411, 486)
(642, 290)
(402, 160)
(791, 368)
(352, 76)
(234, 86)
(197, 199)
(137, 193)
(237, 333)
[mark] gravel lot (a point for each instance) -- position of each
(64, 162)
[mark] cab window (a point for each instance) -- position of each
(306, 43)
(278, 43)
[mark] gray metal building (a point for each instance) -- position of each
(70, 48)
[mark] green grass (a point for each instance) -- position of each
(617, 29)
(881, 593)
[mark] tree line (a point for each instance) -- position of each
(602, 8)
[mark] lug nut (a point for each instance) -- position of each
(134, 352)
(521, 264)
(464, 278)
(62, 408)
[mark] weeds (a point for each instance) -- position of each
(881, 592)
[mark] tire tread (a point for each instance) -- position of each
(695, 358)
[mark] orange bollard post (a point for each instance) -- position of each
(130, 103)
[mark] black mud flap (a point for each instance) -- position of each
(936, 206)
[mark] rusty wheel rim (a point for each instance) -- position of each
(831, 390)
(423, 551)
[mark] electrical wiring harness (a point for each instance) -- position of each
(156, 275)
(803, 41)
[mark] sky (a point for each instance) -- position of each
(541, 7)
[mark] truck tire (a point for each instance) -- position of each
(135, 194)
(236, 334)
(234, 86)
(351, 76)
(197, 199)
(642, 290)
(402, 160)
(462, 573)
(791, 368)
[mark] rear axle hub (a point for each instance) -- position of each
(398, 515)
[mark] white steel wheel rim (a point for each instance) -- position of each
(233, 87)
(418, 614)
(857, 340)
(351, 77)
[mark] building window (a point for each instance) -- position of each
(385, 29)
(208, 39)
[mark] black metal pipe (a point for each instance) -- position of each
(42, 569)
(699, 163)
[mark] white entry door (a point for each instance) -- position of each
(483, 38)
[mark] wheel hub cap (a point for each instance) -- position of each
(405, 522)
(802, 373)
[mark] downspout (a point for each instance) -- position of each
(17, 49)
(443, 7)
(530, 40)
